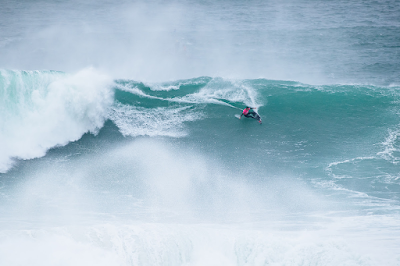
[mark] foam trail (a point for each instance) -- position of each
(43, 109)
(136, 121)
(392, 147)
(220, 90)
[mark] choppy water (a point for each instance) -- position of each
(119, 143)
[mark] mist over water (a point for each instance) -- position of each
(119, 143)
(313, 42)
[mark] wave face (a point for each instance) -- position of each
(135, 173)
(336, 134)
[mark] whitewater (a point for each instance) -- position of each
(119, 143)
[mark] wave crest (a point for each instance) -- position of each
(44, 109)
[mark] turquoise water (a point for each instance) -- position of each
(119, 143)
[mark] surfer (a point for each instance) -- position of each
(250, 113)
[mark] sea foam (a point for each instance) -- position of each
(44, 109)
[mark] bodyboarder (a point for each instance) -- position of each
(250, 113)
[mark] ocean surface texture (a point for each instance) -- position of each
(119, 143)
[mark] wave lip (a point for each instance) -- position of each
(44, 109)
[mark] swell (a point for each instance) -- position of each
(319, 130)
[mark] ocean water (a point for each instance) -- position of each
(119, 143)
